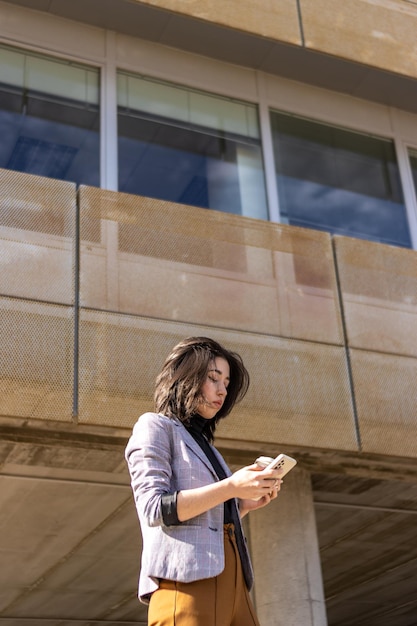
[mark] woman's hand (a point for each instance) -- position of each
(247, 505)
(256, 484)
(253, 486)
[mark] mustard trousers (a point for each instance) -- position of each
(220, 601)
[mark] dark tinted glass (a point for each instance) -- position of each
(339, 181)
(166, 155)
(43, 132)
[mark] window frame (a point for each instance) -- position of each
(109, 51)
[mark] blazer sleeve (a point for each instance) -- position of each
(149, 458)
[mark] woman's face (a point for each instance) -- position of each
(214, 388)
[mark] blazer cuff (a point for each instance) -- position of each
(169, 509)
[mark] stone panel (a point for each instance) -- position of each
(385, 394)
(379, 293)
(37, 237)
(276, 20)
(299, 395)
(163, 260)
(299, 392)
(36, 360)
(376, 33)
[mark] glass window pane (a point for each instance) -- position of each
(338, 181)
(189, 147)
(49, 117)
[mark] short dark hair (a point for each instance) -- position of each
(178, 386)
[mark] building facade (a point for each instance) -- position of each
(245, 171)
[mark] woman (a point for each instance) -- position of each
(196, 569)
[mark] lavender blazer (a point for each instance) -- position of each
(163, 458)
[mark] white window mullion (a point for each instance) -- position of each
(108, 117)
(268, 151)
(109, 166)
(410, 199)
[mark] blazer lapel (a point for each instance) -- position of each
(193, 445)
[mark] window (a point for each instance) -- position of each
(49, 117)
(189, 147)
(338, 181)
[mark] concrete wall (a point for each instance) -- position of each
(89, 312)
(377, 33)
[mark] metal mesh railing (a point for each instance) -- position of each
(37, 254)
(37, 359)
(379, 287)
(384, 386)
(37, 237)
(299, 391)
(153, 272)
(162, 260)
(379, 290)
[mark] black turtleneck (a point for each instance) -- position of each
(169, 501)
(196, 428)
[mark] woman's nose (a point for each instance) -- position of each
(222, 389)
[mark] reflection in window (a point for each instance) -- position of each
(339, 181)
(49, 117)
(189, 147)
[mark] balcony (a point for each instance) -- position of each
(97, 286)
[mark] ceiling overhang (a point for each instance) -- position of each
(237, 47)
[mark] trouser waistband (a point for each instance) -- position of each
(229, 528)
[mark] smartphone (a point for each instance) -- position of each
(282, 461)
